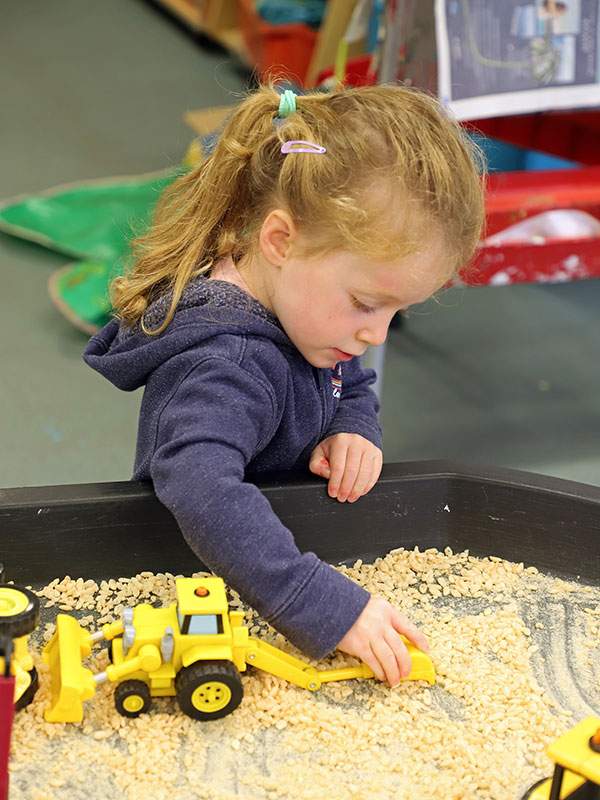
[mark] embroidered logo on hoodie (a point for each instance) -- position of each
(336, 381)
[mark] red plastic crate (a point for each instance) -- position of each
(279, 50)
(574, 135)
(514, 196)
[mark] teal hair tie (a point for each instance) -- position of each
(287, 104)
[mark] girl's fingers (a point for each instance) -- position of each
(404, 626)
(351, 470)
(375, 472)
(371, 660)
(362, 479)
(337, 465)
(400, 651)
(387, 660)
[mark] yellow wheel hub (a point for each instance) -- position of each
(211, 696)
(133, 703)
(12, 601)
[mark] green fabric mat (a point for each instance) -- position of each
(94, 222)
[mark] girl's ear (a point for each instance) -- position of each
(277, 236)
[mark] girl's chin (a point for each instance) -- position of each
(321, 361)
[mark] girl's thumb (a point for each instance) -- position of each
(320, 466)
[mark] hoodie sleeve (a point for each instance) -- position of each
(216, 420)
(358, 406)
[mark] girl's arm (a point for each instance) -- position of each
(216, 421)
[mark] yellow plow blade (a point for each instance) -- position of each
(70, 682)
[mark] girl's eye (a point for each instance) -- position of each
(361, 306)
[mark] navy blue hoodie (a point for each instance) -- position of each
(228, 396)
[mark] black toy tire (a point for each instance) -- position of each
(128, 688)
(191, 678)
(109, 650)
(29, 693)
(23, 623)
(532, 788)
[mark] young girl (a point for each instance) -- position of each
(268, 271)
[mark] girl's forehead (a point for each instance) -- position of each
(407, 280)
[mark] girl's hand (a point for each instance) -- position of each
(375, 639)
(349, 462)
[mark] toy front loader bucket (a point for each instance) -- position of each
(70, 682)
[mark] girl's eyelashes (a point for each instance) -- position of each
(361, 306)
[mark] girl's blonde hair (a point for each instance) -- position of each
(396, 167)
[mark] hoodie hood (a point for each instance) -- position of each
(127, 356)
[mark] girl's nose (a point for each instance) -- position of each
(373, 336)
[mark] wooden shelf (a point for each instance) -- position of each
(217, 20)
(201, 17)
(188, 11)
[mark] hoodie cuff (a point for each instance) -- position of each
(318, 616)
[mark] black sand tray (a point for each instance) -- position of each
(118, 529)
(98, 530)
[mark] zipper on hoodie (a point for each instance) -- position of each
(323, 398)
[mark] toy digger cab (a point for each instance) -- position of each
(576, 756)
(19, 614)
(194, 650)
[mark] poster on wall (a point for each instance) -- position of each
(512, 56)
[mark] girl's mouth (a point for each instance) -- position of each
(341, 355)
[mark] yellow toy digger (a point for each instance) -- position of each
(193, 649)
(576, 757)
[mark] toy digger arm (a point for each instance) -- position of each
(345, 673)
(270, 659)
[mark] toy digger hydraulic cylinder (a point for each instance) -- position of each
(108, 632)
(147, 660)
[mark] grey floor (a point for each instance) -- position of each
(499, 376)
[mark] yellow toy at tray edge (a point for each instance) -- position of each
(576, 757)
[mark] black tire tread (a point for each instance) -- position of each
(126, 688)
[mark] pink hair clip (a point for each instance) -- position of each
(299, 146)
